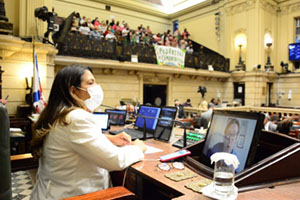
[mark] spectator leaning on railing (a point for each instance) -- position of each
(114, 31)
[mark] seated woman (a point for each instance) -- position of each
(74, 156)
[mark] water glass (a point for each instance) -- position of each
(223, 178)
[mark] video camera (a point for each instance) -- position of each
(43, 14)
(202, 90)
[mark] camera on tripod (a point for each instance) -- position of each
(202, 90)
(43, 14)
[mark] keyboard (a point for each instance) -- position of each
(116, 132)
(191, 138)
(137, 134)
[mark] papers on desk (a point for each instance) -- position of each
(151, 149)
(15, 130)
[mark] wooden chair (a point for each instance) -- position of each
(22, 162)
(113, 193)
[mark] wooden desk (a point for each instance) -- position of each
(147, 181)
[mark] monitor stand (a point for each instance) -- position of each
(276, 162)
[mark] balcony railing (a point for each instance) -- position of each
(84, 46)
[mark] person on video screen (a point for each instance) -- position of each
(230, 136)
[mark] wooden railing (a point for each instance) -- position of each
(282, 112)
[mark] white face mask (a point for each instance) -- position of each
(96, 97)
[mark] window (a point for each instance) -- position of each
(298, 30)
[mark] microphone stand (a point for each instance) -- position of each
(144, 131)
(184, 131)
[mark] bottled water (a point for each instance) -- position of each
(223, 183)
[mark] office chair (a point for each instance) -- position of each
(5, 170)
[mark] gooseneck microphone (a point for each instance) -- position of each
(148, 117)
(110, 107)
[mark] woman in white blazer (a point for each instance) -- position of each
(74, 156)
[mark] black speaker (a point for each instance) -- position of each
(107, 7)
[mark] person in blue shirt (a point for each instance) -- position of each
(230, 136)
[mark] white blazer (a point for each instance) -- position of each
(76, 159)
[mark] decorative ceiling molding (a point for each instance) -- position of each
(152, 8)
(287, 7)
(268, 6)
(240, 7)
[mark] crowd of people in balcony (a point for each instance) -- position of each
(120, 32)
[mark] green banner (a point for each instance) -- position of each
(169, 56)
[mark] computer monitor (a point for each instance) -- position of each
(165, 126)
(233, 132)
(150, 123)
(116, 117)
(294, 52)
(102, 120)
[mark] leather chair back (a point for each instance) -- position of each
(5, 169)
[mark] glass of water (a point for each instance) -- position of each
(223, 181)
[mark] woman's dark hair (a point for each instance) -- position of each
(61, 101)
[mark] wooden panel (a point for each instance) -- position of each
(110, 193)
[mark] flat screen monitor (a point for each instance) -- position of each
(116, 117)
(102, 120)
(150, 123)
(294, 52)
(165, 124)
(233, 132)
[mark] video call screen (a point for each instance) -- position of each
(216, 137)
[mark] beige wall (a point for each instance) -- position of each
(285, 84)
(201, 25)
(13, 13)
(286, 29)
(17, 63)
(185, 87)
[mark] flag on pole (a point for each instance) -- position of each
(39, 102)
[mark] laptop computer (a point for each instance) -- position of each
(165, 125)
(103, 120)
(150, 124)
(116, 117)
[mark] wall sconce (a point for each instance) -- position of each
(268, 43)
(240, 41)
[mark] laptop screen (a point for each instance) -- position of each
(148, 111)
(103, 120)
(164, 127)
(167, 113)
(116, 117)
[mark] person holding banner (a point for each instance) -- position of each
(74, 156)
